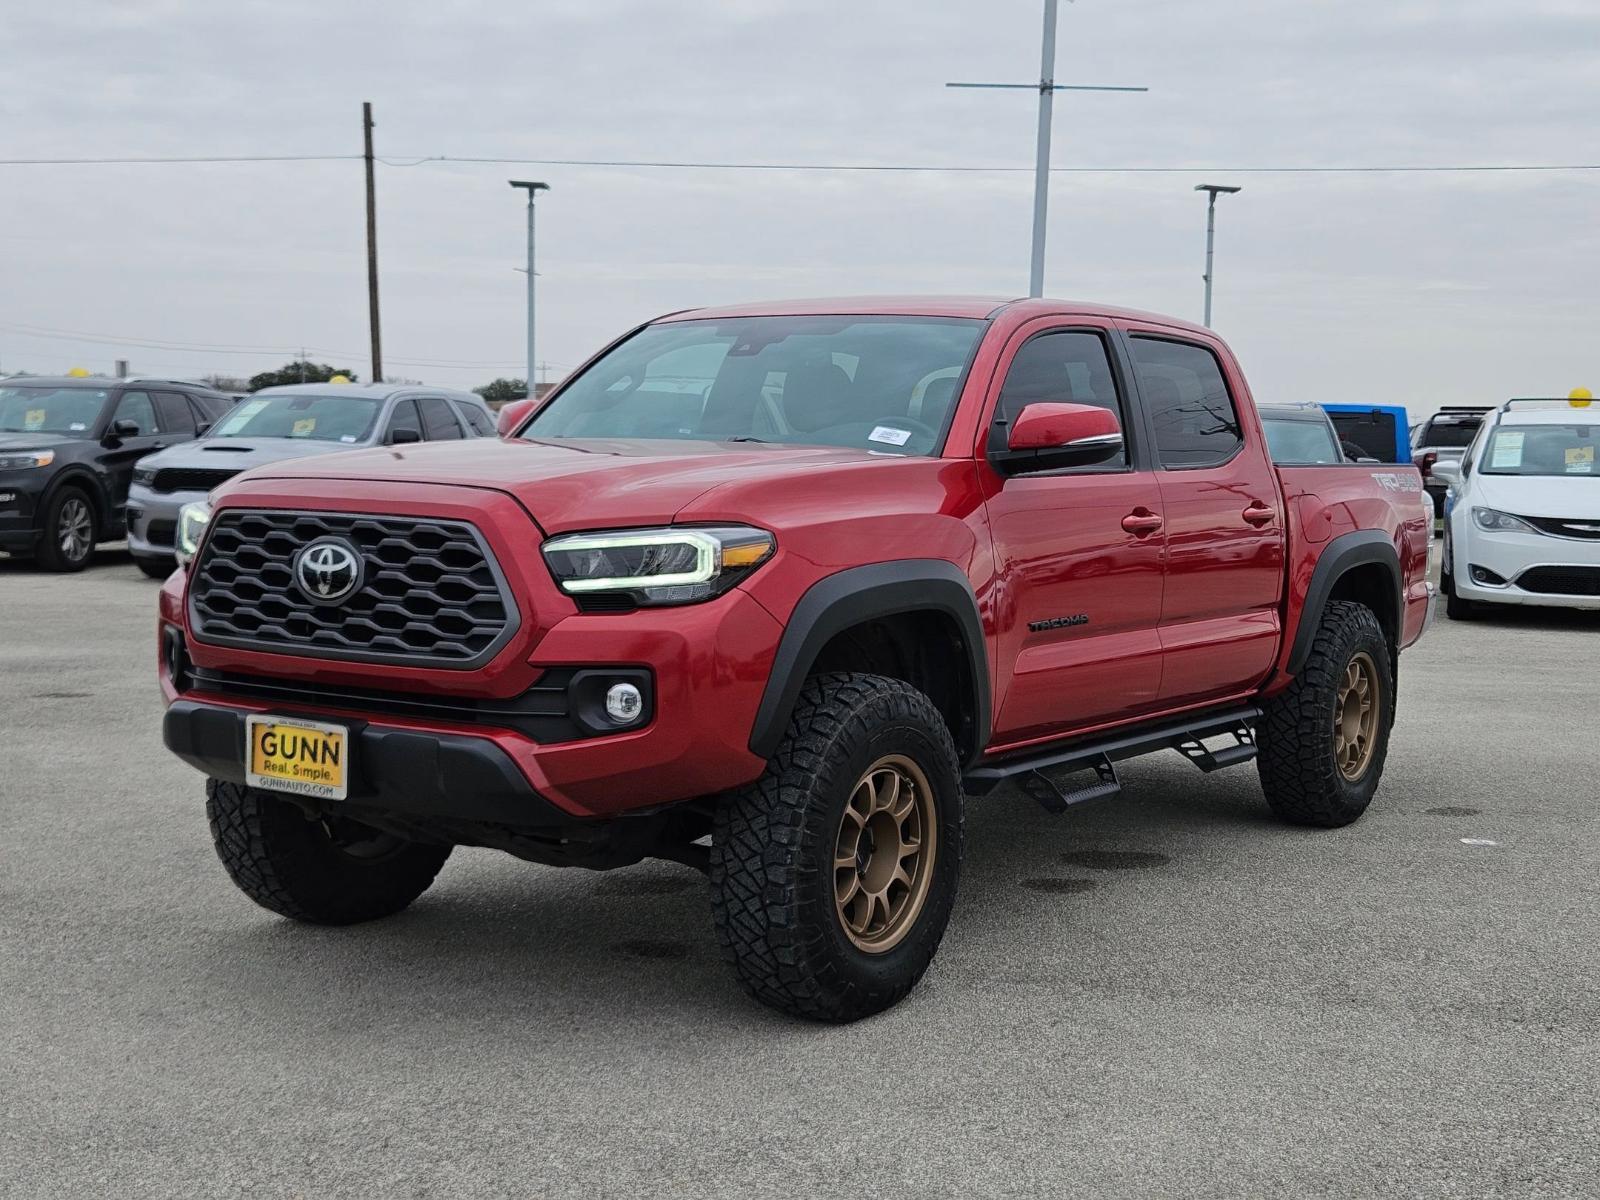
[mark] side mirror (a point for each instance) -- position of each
(404, 437)
(1449, 472)
(202, 429)
(1045, 437)
(124, 429)
(511, 415)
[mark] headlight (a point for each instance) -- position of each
(28, 458)
(144, 475)
(192, 521)
(657, 566)
(1498, 522)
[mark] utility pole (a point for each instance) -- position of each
(1047, 88)
(372, 248)
(1212, 190)
(533, 189)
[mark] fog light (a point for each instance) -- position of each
(1486, 577)
(624, 703)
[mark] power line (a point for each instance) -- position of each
(731, 165)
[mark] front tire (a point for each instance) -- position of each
(322, 872)
(1323, 741)
(70, 531)
(834, 874)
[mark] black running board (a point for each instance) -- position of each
(1184, 734)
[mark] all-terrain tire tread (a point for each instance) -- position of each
(1298, 774)
(768, 931)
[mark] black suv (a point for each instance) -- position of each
(67, 449)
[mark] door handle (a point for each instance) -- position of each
(1141, 522)
(1259, 514)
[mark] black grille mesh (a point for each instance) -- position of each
(431, 596)
(191, 479)
(1561, 581)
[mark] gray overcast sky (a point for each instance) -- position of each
(1419, 289)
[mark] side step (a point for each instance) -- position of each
(1050, 797)
(1186, 735)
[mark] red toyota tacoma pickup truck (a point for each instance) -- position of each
(767, 591)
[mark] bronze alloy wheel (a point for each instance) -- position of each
(884, 856)
(1355, 717)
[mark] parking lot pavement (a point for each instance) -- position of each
(1168, 994)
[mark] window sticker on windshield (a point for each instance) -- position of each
(303, 425)
(76, 427)
(34, 419)
(1580, 460)
(349, 437)
(249, 409)
(893, 437)
(1507, 450)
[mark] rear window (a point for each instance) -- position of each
(1454, 433)
(1373, 434)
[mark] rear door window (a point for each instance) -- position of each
(175, 414)
(1196, 423)
(439, 423)
(476, 418)
(405, 417)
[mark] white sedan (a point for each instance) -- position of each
(1522, 523)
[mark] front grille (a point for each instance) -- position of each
(431, 593)
(161, 533)
(1567, 527)
(189, 479)
(1561, 581)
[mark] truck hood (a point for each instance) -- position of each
(238, 454)
(1574, 496)
(578, 483)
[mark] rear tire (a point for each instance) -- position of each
(156, 568)
(321, 872)
(70, 531)
(1323, 741)
(834, 874)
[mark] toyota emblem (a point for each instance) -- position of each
(328, 571)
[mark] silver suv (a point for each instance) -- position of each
(287, 422)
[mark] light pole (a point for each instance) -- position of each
(1047, 88)
(533, 189)
(1212, 190)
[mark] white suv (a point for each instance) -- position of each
(1522, 522)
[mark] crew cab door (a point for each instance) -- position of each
(1220, 624)
(1078, 551)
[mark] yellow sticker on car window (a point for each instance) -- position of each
(34, 419)
(303, 426)
(1580, 460)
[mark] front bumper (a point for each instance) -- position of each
(152, 519)
(17, 507)
(1532, 564)
(709, 665)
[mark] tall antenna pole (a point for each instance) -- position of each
(1041, 162)
(1047, 88)
(533, 189)
(372, 248)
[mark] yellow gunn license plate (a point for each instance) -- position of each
(291, 755)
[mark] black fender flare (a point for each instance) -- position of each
(1361, 548)
(81, 477)
(859, 594)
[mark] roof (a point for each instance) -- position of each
(373, 391)
(1559, 412)
(972, 307)
(1293, 410)
(102, 382)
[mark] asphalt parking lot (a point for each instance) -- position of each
(1168, 994)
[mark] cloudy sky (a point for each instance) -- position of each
(1413, 288)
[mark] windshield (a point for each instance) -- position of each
(1300, 443)
(67, 412)
(874, 383)
(1541, 450)
(310, 418)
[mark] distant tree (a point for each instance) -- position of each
(225, 383)
(502, 390)
(299, 372)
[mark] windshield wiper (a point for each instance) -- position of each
(744, 437)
